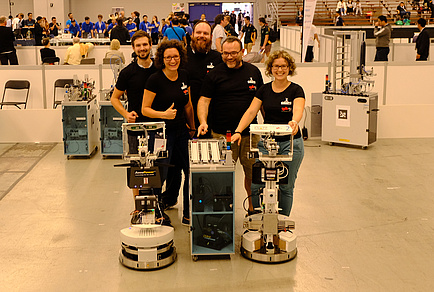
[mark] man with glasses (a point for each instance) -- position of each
(230, 88)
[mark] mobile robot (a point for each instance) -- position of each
(147, 244)
(268, 235)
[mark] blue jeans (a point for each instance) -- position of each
(286, 191)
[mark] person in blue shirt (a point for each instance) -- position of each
(87, 26)
(74, 29)
(112, 25)
(144, 25)
(165, 26)
(100, 26)
(68, 22)
(154, 26)
(131, 26)
(174, 32)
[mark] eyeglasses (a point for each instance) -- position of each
(233, 54)
(283, 67)
(169, 58)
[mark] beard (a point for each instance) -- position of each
(204, 46)
(145, 57)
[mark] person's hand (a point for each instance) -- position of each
(263, 48)
(202, 130)
(376, 23)
(131, 117)
(170, 113)
(294, 126)
(236, 137)
(417, 56)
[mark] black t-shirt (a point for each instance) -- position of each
(198, 66)
(132, 79)
(168, 92)
(265, 30)
(278, 107)
(120, 33)
(47, 52)
(53, 29)
(231, 92)
(248, 32)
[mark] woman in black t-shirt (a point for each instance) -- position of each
(167, 99)
(283, 103)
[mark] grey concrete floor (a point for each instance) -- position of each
(364, 221)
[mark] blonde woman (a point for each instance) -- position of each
(114, 52)
(283, 102)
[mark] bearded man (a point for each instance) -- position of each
(201, 60)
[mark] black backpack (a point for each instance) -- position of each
(273, 35)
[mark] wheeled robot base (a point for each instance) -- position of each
(284, 242)
(147, 247)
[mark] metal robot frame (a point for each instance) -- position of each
(267, 237)
(149, 244)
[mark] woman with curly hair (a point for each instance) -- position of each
(283, 103)
(167, 98)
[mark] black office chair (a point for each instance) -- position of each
(51, 60)
(16, 85)
(60, 83)
(87, 61)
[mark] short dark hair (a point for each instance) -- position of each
(38, 18)
(140, 34)
(45, 41)
(262, 19)
(87, 18)
(120, 22)
(422, 22)
(183, 21)
(136, 13)
(54, 17)
(159, 55)
(218, 19)
(247, 17)
(232, 39)
(187, 16)
(69, 14)
(100, 15)
(175, 20)
(28, 14)
(144, 15)
(382, 18)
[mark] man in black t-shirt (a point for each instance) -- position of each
(132, 80)
(229, 89)
(250, 33)
(201, 60)
(54, 26)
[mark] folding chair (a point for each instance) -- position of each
(87, 61)
(60, 83)
(16, 85)
(113, 60)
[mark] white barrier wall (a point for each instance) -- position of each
(399, 52)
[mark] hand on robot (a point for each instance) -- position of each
(236, 137)
(202, 130)
(294, 126)
(170, 113)
(131, 117)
